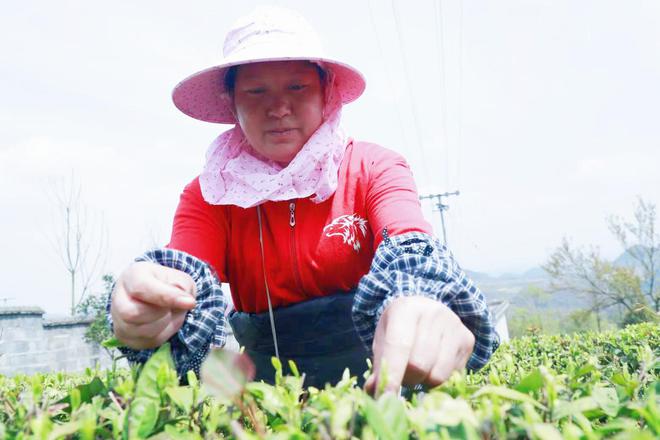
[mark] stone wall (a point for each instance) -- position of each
(30, 344)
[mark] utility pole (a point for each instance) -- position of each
(442, 207)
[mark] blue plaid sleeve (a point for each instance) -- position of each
(415, 263)
(204, 326)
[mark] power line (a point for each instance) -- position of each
(408, 88)
(389, 71)
(438, 18)
(460, 91)
(460, 146)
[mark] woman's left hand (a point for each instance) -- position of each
(418, 340)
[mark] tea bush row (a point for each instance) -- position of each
(584, 386)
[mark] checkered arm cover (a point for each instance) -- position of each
(204, 326)
(415, 263)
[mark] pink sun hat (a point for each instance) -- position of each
(267, 34)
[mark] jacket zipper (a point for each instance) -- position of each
(294, 252)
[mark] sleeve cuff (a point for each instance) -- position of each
(205, 325)
(417, 264)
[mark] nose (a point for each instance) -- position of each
(279, 107)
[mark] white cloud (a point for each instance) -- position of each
(629, 166)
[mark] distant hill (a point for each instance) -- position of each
(536, 273)
(514, 288)
(533, 275)
(627, 259)
(481, 276)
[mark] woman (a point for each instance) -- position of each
(320, 237)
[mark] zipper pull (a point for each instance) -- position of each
(292, 213)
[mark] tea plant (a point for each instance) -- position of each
(585, 386)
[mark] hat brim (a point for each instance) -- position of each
(200, 95)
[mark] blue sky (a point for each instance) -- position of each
(544, 114)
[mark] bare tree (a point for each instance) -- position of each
(80, 239)
(608, 285)
(642, 243)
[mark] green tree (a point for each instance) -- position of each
(579, 321)
(628, 288)
(534, 315)
(95, 306)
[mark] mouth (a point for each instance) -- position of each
(281, 132)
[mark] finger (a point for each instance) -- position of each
(173, 326)
(145, 332)
(466, 348)
(396, 342)
(370, 385)
(176, 278)
(450, 358)
(425, 349)
(155, 291)
(377, 348)
(154, 334)
(135, 312)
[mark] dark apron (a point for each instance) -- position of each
(318, 335)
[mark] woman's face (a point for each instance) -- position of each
(279, 105)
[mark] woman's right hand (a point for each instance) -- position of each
(149, 304)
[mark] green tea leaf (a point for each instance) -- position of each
(173, 433)
(271, 398)
(294, 368)
(607, 400)
(387, 417)
(530, 383)
(85, 392)
(147, 382)
(87, 423)
(394, 412)
(544, 431)
(142, 417)
(565, 409)
(441, 409)
(112, 343)
(74, 397)
(618, 425)
(182, 397)
(166, 377)
(585, 369)
(277, 365)
(192, 379)
(63, 431)
(507, 393)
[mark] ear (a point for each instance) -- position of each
(228, 99)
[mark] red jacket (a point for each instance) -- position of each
(310, 249)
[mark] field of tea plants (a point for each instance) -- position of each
(585, 386)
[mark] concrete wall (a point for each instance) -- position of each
(31, 344)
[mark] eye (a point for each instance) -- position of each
(256, 91)
(297, 87)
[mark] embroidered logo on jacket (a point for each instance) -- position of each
(347, 227)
